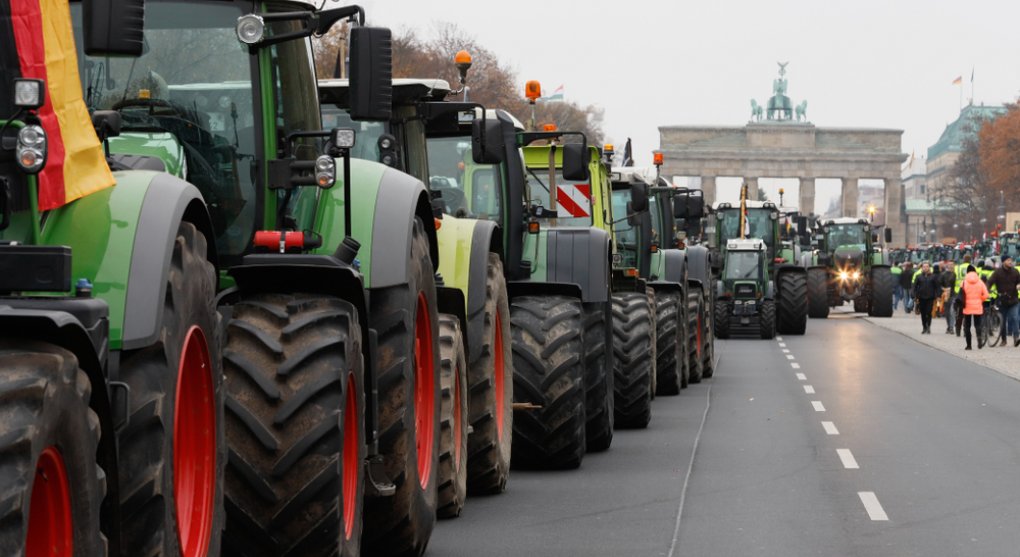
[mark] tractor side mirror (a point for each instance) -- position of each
(371, 71)
(633, 218)
(695, 206)
(113, 27)
(638, 198)
(486, 141)
(874, 237)
(888, 235)
(679, 208)
(575, 161)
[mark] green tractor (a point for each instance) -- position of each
(761, 219)
(328, 263)
(422, 139)
(112, 391)
(848, 266)
(745, 295)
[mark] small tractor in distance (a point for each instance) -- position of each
(745, 295)
(848, 266)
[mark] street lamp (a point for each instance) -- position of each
(871, 213)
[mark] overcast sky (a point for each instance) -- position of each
(866, 63)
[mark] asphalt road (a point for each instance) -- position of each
(849, 441)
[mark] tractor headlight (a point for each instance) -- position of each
(31, 149)
(250, 28)
(343, 138)
(325, 171)
(29, 93)
(843, 275)
(855, 275)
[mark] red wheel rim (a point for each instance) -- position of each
(50, 528)
(351, 462)
(500, 379)
(194, 469)
(424, 391)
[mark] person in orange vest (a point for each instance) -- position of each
(974, 293)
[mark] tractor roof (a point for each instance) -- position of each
(846, 220)
(750, 205)
(746, 244)
(405, 90)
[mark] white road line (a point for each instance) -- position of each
(830, 428)
(779, 339)
(782, 345)
(794, 365)
(786, 350)
(801, 377)
(847, 457)
(871, 504)
(818, 405)
(789, 357)
(808, 389)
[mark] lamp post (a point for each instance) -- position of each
(871, 213)
(983, 229)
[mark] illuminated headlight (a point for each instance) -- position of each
(29, 93)
(343, 138)
(325, 171)
(31, 149)
(855, 275)
(843, 275)
(250, 28)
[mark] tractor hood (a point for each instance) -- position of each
(845, 257)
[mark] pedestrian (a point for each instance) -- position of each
(973, 293)
(961, 274)
(926, 289)
(947, 280)
(906, 281)
(1006, 280)
(897, 272)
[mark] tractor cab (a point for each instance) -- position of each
(745, 296)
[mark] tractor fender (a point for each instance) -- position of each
(464, 247)
(698, 266)
(675, 265)
(580, 256)
(400, 199)
(787, 268)
(518, 288)
(168, 201)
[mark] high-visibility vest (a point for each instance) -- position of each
(986, 275)
(961, 273)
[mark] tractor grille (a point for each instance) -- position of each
(743, 291)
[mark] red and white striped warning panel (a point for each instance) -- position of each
(573, 200)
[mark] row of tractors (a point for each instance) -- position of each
(249, 312)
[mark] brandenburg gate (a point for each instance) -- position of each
(786, 145)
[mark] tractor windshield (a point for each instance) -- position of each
(570, 206)
(846, 235)
(468, 189)
(742, 264)
(628, 236)
(759, 225)
(191, 87)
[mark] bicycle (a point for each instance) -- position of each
(991, 324)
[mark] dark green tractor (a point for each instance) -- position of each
(745, 295)
(849, 265)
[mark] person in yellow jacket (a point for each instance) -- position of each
(957, 305)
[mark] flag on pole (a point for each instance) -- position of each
(557, 96)
(958, 80)
(972, 75)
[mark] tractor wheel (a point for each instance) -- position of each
(408, 366)
(861, 303)
(818, 293)
(883, 282)
(453, 426)
(295, 426)
(708, 350)
(632, 347)
(655, 340)
(695, 334)
(173, 462)
(598, 376)
(548, 374)
(51, 485)
(793, 303)
(490, 391)
(721, 324)
(767, 319)
(669, 351)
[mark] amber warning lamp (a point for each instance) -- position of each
(463, 62)
(549, 127)
(532, 90)
(657, 158)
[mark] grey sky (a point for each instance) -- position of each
(865, 63)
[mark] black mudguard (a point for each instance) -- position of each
(581, 257)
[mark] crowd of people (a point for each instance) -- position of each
(963, 294)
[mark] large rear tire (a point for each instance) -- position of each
(654, 375)
(883, 283)
(598, 376)
(818, 293)
(549, 374)
(409, 402)
(767, 319)
(632, 348)
(172, 463)
(669, 336)
(721, 323)
(708, 351)
(51, 487)
(695, 334)
(792, 312)
(453, 418)
(295, 426)
(491, 390)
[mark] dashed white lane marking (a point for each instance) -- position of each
(794, 365)
(817, 404)
(808, 389)
(786, 350)
(830, 428)
(801, 377)
(871, 504)
(779, 339)
(782, 345)
(847, 458)
(789, 357)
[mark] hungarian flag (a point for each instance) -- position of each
(36, 41)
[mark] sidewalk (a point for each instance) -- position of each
(1004, 360)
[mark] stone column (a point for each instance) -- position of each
(807, 196)
(752, 189)
(708, 189)
(849, 196)
(895, 217)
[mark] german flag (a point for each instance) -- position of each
(36, 41)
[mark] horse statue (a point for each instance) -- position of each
(801, 111)
(756, 111)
